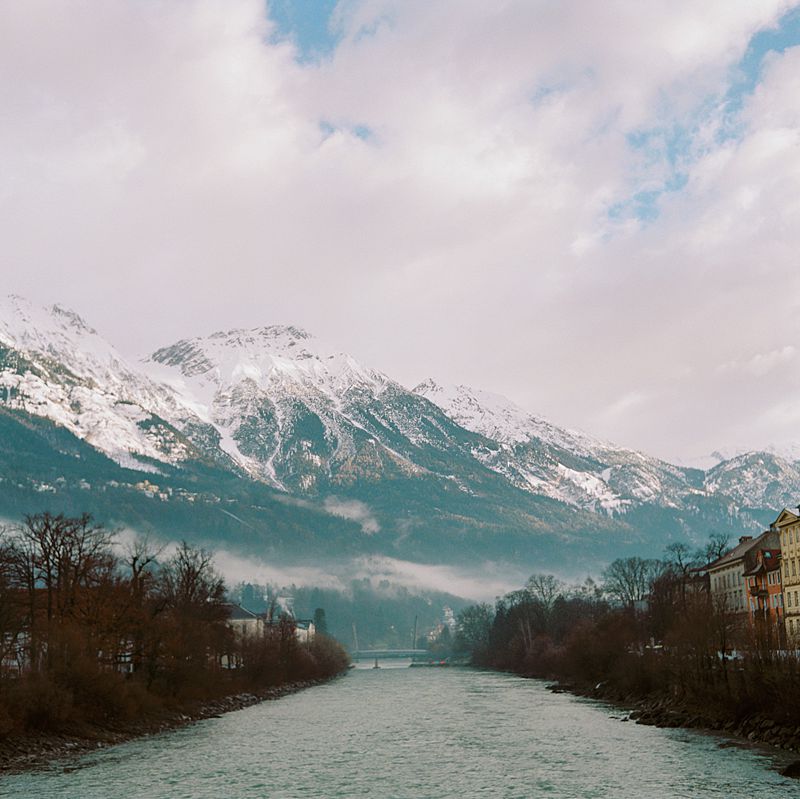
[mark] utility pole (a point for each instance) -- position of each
(414, 639)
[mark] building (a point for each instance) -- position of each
(764, 591)
(787, 527)
(245, 624)
(305, 630)
(242, 621)
(726, 575)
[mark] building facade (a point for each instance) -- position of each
(787, 526)
(765, 594)
(726, 575)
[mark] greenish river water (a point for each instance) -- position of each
(415, 734)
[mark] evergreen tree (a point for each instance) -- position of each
(320, 622)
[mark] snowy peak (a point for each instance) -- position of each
(552, 461)
(54, 365)
(491, 415)
(52, 330)
(265, 355)
(305, 417)
(286, 405)
(497, 417)
(756, 479)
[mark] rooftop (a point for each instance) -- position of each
(768, 541)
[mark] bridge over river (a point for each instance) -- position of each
(383, 654)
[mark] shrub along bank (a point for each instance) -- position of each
(98, 642)
(678, 660)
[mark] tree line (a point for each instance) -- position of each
(649, 629)
(97, 633)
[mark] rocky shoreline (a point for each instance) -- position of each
(35, 751)
(661, 712)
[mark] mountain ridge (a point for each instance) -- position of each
(450, 465)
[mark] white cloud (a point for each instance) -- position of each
(167, 172)
(762, 363)
(491, 581)
(354, 510)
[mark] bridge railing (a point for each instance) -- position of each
(389, 653)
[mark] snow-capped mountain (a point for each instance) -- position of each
(52, 364)
(756, 480)
(566, 465)
(303, 416)
(257, 386)
(295, 429)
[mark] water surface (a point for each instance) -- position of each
(415, 734)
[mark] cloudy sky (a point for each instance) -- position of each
(593, 208)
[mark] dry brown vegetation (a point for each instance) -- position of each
(89, 636)
(676, 647)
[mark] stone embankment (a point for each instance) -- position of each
(28, 752)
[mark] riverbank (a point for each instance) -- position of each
(22, 753)
(663, 712)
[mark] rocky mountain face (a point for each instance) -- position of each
(566, 465)
(53, 365)
(318, 452)
(756, 480)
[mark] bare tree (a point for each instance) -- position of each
(139, 554)
(12, 612)
(718, 544)
(545, 589)
(629, 579)
(680, 561)
(61, 554)
(189, 578)
(679, 557)
(473, 627)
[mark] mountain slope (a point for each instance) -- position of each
(756, 480)
(566, 465)
(281, 443)
(52, 364)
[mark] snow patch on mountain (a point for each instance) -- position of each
(756, 479)
(556, 462)
(52, 364)
(301, 415)
(498, 418)
(282, 400)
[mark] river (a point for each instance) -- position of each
(415, 734)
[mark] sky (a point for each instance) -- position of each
(592, 208)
